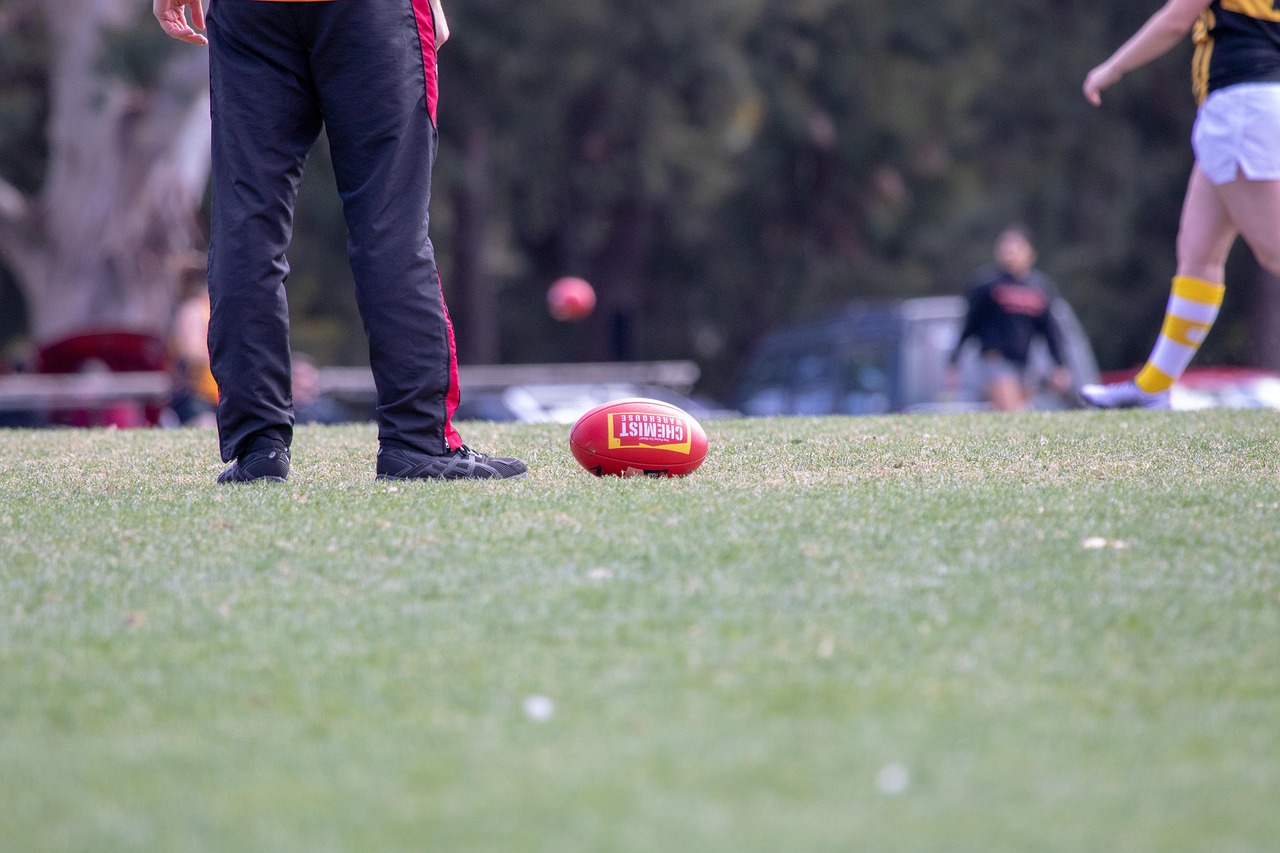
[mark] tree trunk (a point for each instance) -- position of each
(620, 279)
(97, 249)
(477, 326)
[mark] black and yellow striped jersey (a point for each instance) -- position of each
(1236, 41)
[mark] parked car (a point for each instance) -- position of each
(540, 393)
(880, 357)
(564, 403)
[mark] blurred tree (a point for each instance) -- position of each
(897, 140)
(715, 169)
(23, 114)
(585, 138)
(93, 220)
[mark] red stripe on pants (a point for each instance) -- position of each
(454, 395)
(427, 36)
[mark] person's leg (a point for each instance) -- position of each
(1002, 383)
(1005, 394)
(1205, 235)
(1212, 218)
(1206, 232)
(265, 120)
(1254, 209)
(375, 69)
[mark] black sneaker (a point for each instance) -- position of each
(396, 463)
(268, 463)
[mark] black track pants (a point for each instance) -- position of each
(365, 70)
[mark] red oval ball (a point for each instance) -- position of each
(638, 436)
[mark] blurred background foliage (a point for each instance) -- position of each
(720, 168)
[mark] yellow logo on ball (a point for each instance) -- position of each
(638, 429)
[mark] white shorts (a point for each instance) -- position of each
(1237, 132)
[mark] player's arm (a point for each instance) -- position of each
(976, 300)
(1162, 31)
(172, 15)
(442, 26)
(1060, 377)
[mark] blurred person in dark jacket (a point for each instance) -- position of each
(1010, 306)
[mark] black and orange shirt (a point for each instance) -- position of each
(1007, 313)
(1237, 41)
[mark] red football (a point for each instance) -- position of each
(624, 438)
(570, 298)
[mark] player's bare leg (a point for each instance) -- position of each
(1205, 235)
(1254, 211)
(1006, 394)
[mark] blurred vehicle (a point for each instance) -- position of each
(101, 354)
(541, 393)
(1218, 388)
(564, 403)
(880, 357)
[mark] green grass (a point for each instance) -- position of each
(734, 658)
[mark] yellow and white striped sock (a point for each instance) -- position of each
(1193, 306)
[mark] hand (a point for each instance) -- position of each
(172, 15)
(442, 26)
(1100, 78)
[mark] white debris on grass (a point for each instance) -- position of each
(539, 708)
(893, 779)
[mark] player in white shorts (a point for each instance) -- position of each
(1235, 185)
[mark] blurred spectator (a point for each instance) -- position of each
(310, 406)
(1009, 306)
(195, 394)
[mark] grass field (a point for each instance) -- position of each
(987, 633)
